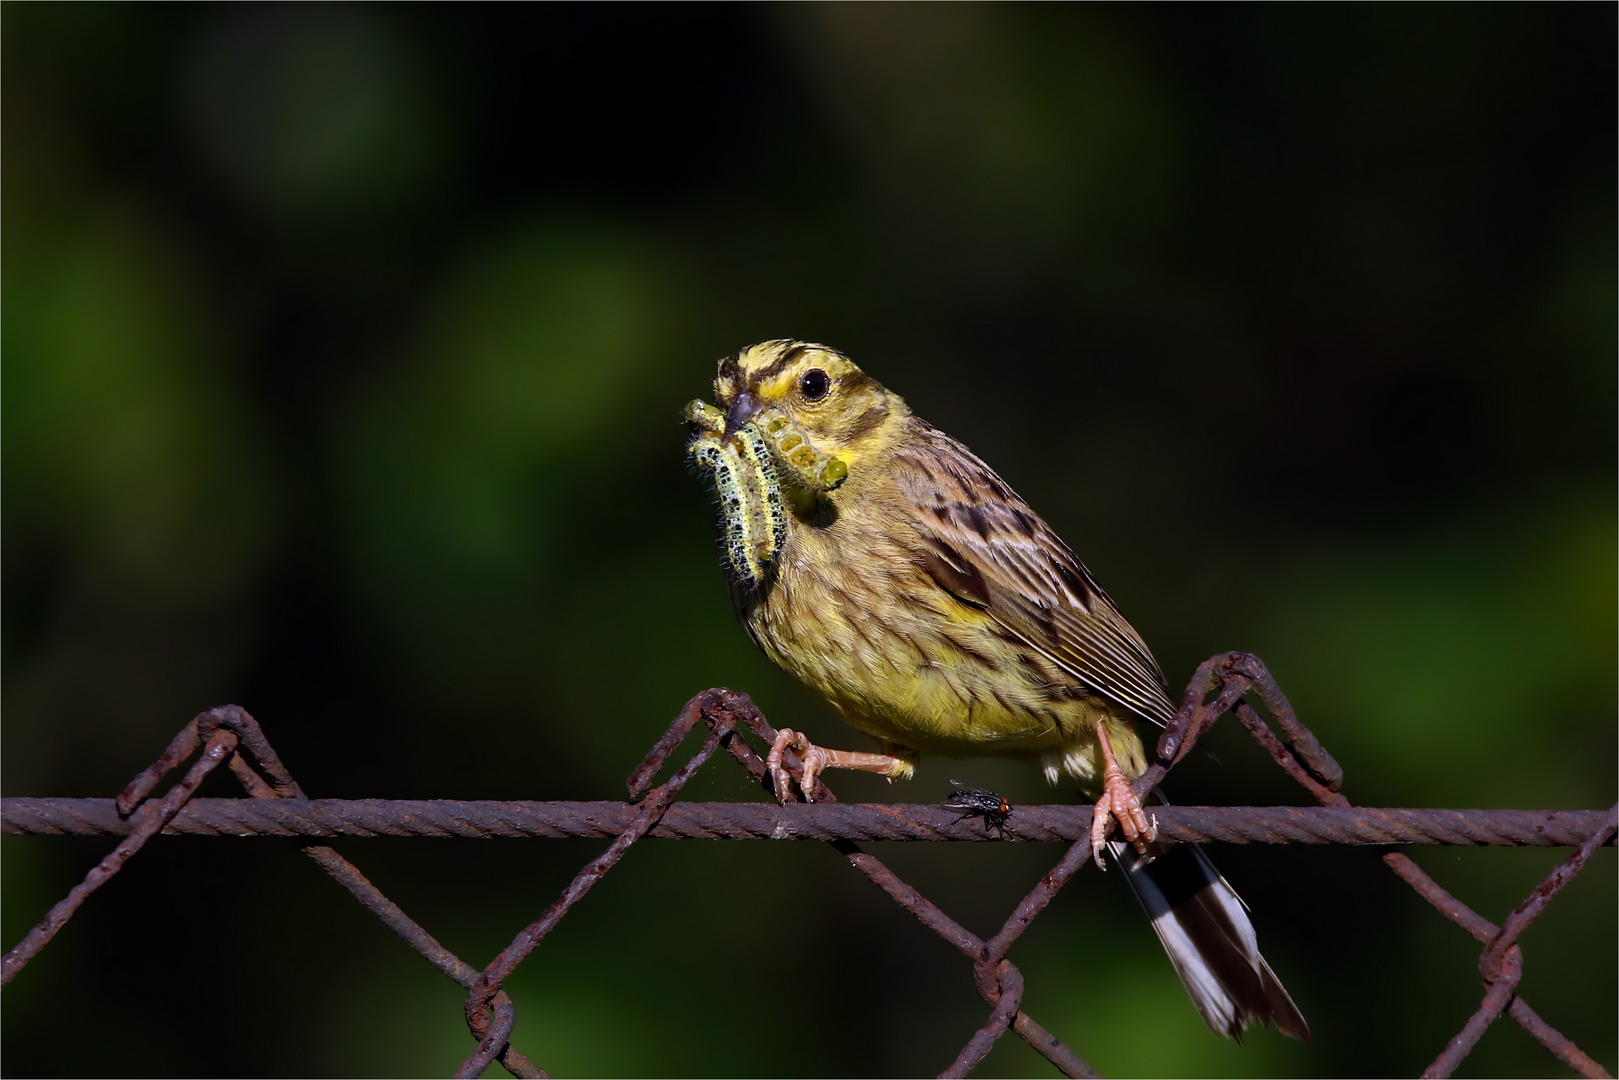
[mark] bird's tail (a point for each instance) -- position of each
(1205, 929)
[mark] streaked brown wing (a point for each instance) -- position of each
(984, 545)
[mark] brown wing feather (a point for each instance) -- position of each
(984, 545)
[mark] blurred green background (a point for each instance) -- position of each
(344, 349)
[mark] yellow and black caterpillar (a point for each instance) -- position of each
(748, 469)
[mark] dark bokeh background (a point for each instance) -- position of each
(343, 355)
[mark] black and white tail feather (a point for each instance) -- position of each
(1205, 929)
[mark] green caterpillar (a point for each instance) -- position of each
(751, 508)
(813, 470)
(804, 466)
(747, 471)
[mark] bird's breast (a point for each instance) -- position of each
(853, 614)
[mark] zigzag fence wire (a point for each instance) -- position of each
(277, 806)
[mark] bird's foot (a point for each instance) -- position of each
(814, 759)
(1118, 803)
(817, 758)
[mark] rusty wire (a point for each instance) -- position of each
(278, 807)
(229, 730)
(1354, 825)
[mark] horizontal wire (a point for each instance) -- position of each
(829, 821)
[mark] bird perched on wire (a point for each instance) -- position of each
(892, 572)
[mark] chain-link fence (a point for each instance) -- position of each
(276, 805)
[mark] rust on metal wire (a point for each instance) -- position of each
(277, 806)
(228, 730)
(269, 816)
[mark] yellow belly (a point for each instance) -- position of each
(920, 671)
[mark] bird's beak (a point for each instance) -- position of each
(743, 409)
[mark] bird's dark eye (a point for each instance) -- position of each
(814, 384)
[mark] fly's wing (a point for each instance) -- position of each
(983, 544)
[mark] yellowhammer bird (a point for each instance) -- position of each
(888, 569)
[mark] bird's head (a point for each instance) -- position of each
(844, 411)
